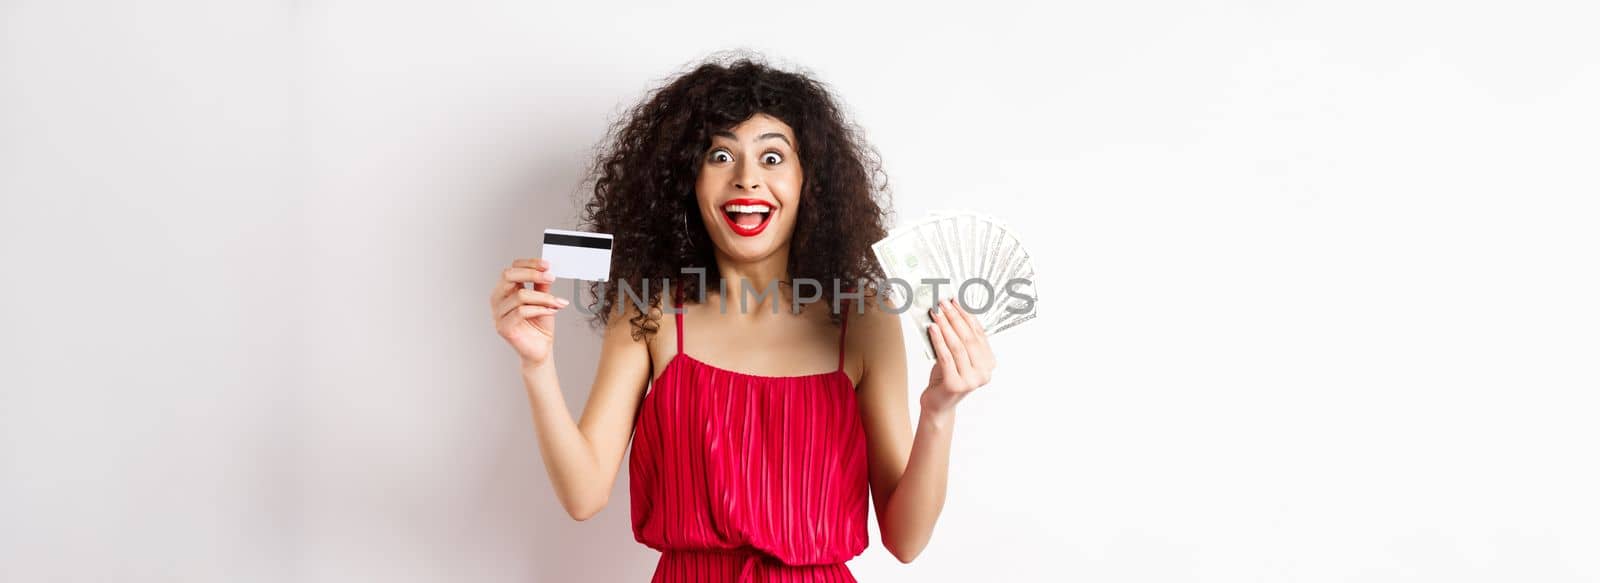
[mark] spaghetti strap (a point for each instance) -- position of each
(677, 303)
(844, 323)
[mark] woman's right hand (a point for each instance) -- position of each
(526, 318)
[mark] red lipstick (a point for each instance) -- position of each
(752, 230)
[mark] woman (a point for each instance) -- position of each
(756, 467)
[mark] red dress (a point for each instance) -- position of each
(737, 477)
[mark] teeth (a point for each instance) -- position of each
(747, 208)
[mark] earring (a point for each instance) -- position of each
(687, 237)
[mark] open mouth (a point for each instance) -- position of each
(748, 216)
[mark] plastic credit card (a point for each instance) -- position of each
(578, 255)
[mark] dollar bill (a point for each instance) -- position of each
(967, 255)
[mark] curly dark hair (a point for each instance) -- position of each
(643, 184)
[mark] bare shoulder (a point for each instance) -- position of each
(619, 323)
(653, 338)
(870, 317)
(873, 336)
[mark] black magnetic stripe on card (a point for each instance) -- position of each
(577, 241)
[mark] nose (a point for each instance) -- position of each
(748, 176)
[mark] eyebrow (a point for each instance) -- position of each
(765, 136)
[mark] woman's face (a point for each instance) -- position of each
(749, 188)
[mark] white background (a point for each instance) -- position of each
(1318, 281)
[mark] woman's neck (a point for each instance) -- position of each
(761, 277)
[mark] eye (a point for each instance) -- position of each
(772, 158)
(720, 155)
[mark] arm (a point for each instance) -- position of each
(583, 458)
(909, 473)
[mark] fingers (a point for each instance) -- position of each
(958, 321)
(502, 288)
(972, 322)
(535, 271)
(958, 349)
(529, 270)
(526, 311)
(528, 297)
(527, 274)
(945, 360)
(978, 344)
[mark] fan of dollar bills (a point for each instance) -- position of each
(964, 253)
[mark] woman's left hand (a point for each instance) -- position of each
(964, 359)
